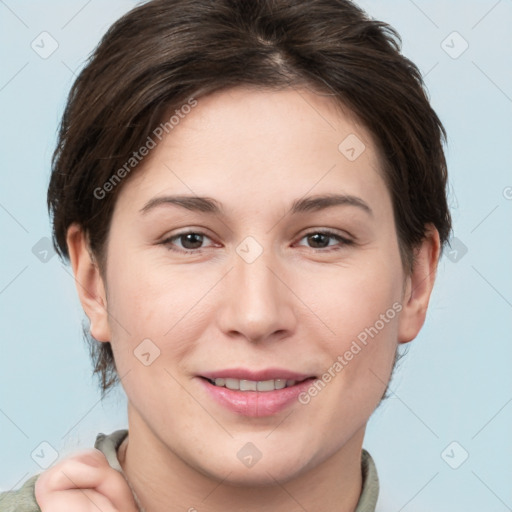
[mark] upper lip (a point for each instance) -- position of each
(259, 375)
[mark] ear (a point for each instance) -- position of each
(418, 286)
(89, 283)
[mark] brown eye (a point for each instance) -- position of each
(319, 240)
(191, 241)
(324, 239)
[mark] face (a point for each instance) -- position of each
(287, 270)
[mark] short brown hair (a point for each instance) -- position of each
(164, 52)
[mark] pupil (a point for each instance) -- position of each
(193, 239)
(319, 239)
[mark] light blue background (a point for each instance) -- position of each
(455, 384)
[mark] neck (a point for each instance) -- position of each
(162, 481)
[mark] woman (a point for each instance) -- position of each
(252, 198)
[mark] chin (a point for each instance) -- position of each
(261, 471)
(261, 477)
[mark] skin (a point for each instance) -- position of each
(82, 483)
(297, 306)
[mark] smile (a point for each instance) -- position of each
(255, 393)
(253, 385)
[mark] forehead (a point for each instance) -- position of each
(252, 145)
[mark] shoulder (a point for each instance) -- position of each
(370, 490)
(24, 499)
(20, 500)
(109, 444)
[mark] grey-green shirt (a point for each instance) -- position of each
(23, 499)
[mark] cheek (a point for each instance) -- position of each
(148, 300)
(352, 300)
(361, 310)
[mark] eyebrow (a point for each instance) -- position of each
(303, 205)
(321, 202)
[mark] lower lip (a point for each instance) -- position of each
(256, 403)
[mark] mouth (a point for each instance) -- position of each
(254, 385)
(255, 394)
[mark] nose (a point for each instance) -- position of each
(258, 304)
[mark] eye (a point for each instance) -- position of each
(190, 241)
(322, 240)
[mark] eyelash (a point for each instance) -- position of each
(344, 241)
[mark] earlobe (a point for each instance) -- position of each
(419, 286)
(89, 283)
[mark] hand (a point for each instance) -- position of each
(84, 483)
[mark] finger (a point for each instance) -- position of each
(77, 500)
(87, 470)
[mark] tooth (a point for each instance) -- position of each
(265, 385)
(280, 383)
(232, 383)
(248, 385)
(251, 385)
